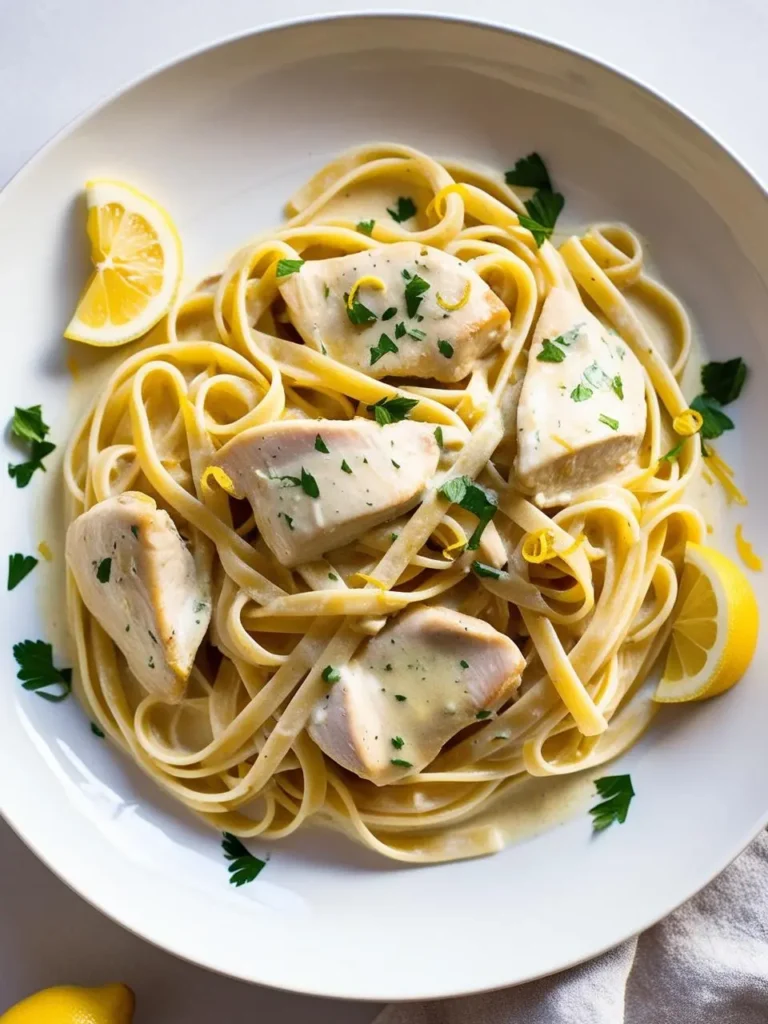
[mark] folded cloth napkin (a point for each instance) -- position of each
(707, 963)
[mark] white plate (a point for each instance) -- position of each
(222, 139)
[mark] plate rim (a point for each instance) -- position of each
(7, 192)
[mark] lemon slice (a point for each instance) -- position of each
(136, 253)
(715, 631)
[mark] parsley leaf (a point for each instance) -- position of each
(309, 484)
(529, 172)
(330, 674)
(568, 337)
(392, 410)
(104, 570)
(673, 453)
(543, 211)
(483, 714)
(481, 569)
(618, 793)
(37, 671)
(22, 472)
(287, 267)
(244, 867)
(581, 393)
(445, 348)
(415, 333)
(389, 313)
(345, 466)
(550, 353)
(613, 424)
(400, 330)
(358, 313)
(28, 423)
(470, 496)
(618, 387)
(19, 566)
(439, 436)
(366, 226)
(724, 381)
(385, 345)
(715, 422)
(401, 697)
(400, 763)
(97, 731)
(397, 742)
(406, 208)
(321, 446)
(415, 287)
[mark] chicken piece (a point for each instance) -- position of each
(137, 577)
(582, 411)
(411, 333)
(307, 500)
(428, 674)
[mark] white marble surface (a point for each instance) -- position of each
(57, 57)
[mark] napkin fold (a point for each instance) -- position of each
(706, 962)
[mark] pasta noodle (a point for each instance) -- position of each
(588, 590)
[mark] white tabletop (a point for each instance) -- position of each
(57, 58)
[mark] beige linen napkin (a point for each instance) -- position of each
(707, 963)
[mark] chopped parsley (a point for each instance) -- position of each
(481, 569)
(673, 453)
(581, 393)
(389, 312)
(463, 491)
(22, 472)
(330, 674)
(345, 466)
(529, 172)
(332, 576)
(413, 332)
(38, 673)
(397, 742)
(393, 536)
(288, 519)
(613, 424)
(406, 208)
(135, 531)
(309, 484)
(392, 410)
(724, 381)
(385, 345)
(543, 210)
(464, 664)
(28, 423)
(358, 313)
(366, 226)
(243, 867)
(19, 566)
(415, 287)
(550, 353)
(445, 348)
(483, 714)
(400, 696)
(714, 420)
(288, 267)
(104, 570)
(97, 731)
(439, 436)
(618, 387)
(400, 763)
(597, 378)
(321, 446)
(326, 291)
(395, 464)
(617, 791)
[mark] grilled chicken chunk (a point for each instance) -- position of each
(582, 411)
(433, 318)
(315, 485)
(137, 577)
(429, 673)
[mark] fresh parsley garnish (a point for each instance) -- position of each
(392, 410)
(38, 673)
(22, 472)
(529, 172)
(415, 287)
(481, 569)
(366, 226)
(345, 466)
(724, 381)
(385, 345)
(543, 210)
(389, 312)
(321, 446)
(104, 570)
(332, 576)
(714, 420)
(439, 436)
(550, 353)
(464, 664)
(287, 267)
(400, 763)
(618, 387)
(613, 424)
(463, 491)
(330, 674)
(617, 791)
(358, 313)
(597, 378)
(397, 742)
(309, 484)
(415, 332)
(19, 566)
(400, 697)
(581, 393)
(28, 423)
(483, 714)
(445, 348)
(406, 208)
(97, 731)
(672, 454)
(244, 867)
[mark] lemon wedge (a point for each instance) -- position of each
(68, 1004)
(137, 259)
(715, 630)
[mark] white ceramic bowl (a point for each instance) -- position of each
(222, 139)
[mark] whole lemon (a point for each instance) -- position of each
(68, 1004)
